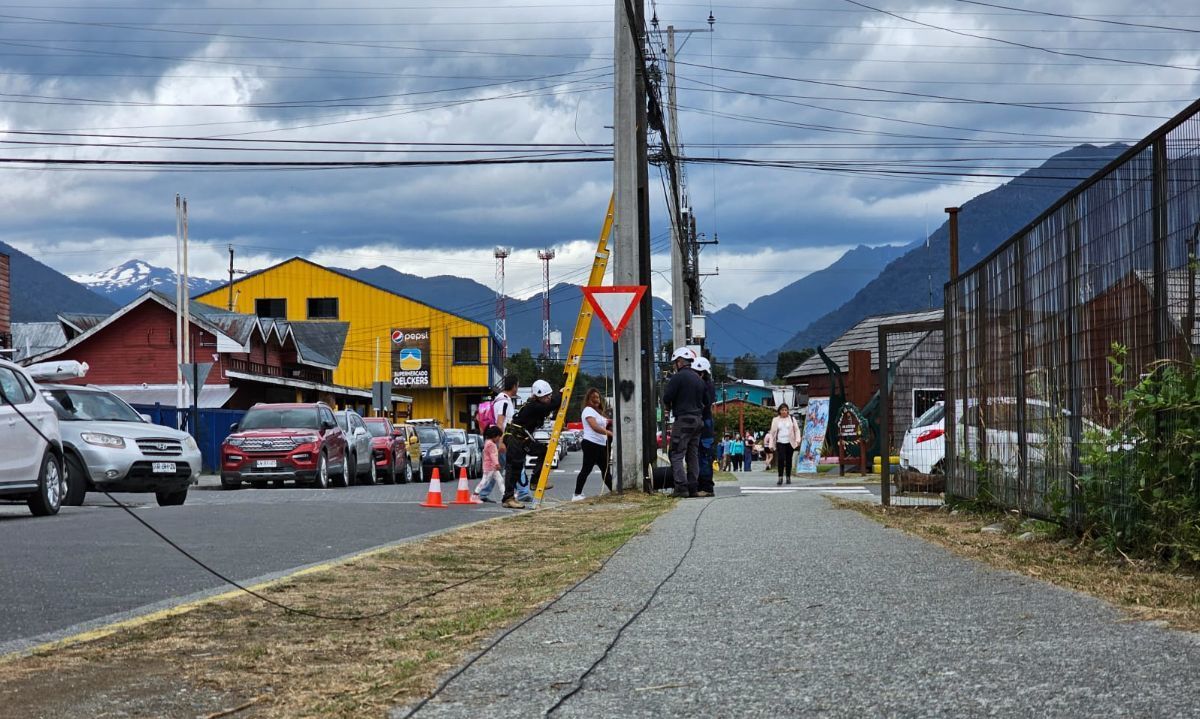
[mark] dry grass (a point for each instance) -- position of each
(1145, 590)
(246, 656)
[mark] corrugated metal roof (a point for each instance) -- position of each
(865, 336)
(33, 338)
(320, 341)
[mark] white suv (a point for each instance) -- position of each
(30, 444)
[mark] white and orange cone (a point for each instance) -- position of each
(464, 489)
(433, 498)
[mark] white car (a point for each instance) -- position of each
(543, 436)
(1048, 439)
(31, 451)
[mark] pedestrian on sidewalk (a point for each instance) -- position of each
(519, 441)
(736, 446)
(684, 397)
(748, 452)
(596, 436)
(493, 472)
(705, 486)
(785, 435)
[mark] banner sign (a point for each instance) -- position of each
(816, 421)
(411, 357)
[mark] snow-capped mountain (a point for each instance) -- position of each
(126, 281)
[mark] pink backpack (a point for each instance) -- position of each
(486, 414)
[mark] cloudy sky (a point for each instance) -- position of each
(881, 113)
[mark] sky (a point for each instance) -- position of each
(810, 127)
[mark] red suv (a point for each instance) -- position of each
(300, 442)
(389, 451)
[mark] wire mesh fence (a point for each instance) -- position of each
(912, 413)
(1040, 333)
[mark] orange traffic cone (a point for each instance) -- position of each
(464, 489)
(433, 498)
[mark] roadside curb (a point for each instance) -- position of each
(106, 626)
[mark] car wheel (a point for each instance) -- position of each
(408, 474)
(321, 480)
(171, 499)
(349, 470)
(230, 483)
(372, 474)
(51, 487)
(76, 480)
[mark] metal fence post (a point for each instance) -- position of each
(950, 309)
(1075, 306)
(1161, 222)
(1019, 369)
(981, 311)
(885, 408)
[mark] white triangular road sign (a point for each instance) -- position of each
(614, 305)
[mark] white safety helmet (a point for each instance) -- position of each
(701, 365)
(684, 353)
(542, 388)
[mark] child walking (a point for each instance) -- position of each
(493, 472)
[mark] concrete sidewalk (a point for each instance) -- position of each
(787, 607)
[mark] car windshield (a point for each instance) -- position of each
(82, 405)
(377, 429)
(427, 435)
(305, 418)
(341, 420)
(456, 436)
(933, 415)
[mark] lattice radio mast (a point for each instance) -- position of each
(501, 254)
(545, 256)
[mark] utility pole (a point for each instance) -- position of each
(178, 303)
(231, 278)
(680, 306)
(648, 396)
(627, 260)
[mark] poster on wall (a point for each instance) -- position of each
(411, 357)
(816, 420)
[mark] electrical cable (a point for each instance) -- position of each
(259, 595)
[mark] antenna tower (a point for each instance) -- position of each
(545, 256)
(501, 254)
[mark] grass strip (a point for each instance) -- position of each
(1147, 591)
(240, 657)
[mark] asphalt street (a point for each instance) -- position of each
(766, 604)
(93, 564)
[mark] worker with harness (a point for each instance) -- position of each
(519, 441)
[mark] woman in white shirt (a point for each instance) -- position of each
(595, 442)
(785, 436)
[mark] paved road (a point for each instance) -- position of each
(93, 562)
(786, 607)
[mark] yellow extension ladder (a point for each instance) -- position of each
(575, 355)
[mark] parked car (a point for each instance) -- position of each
(361, 455)
(543, 436)
(475, 471)
(463, 450)
(924, 445)
(572, 439)
(408, 434)
(300, 442)
(435, 449)
(108, 446)
(390, 450)
(31, 452)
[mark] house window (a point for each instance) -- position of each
(271, 308)
(468, 350)
(322, 308)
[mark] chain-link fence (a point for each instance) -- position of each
(912, 413)
(1031, 329)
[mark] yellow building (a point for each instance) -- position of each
(442, 361)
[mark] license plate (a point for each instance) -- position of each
(163, 468)
(266, 464)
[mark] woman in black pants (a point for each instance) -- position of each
(785, 436)
(596, 436)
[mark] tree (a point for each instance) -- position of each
(745, 367)
(789, 360)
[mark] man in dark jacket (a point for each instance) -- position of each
(707, 435)
(685, 397)
(519, 441)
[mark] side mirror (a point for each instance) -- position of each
(327, 425)
(232, 428)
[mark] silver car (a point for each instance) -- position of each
(360, 456)
(30, 444)
(108, 446)
(463, 449)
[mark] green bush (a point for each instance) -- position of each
(1139, 490)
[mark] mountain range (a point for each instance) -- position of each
(39, 292)
(129, 280)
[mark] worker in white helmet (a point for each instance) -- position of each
(684, 398)
(519, 441)
(706, 487)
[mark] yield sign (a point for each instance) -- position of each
(614, 305)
